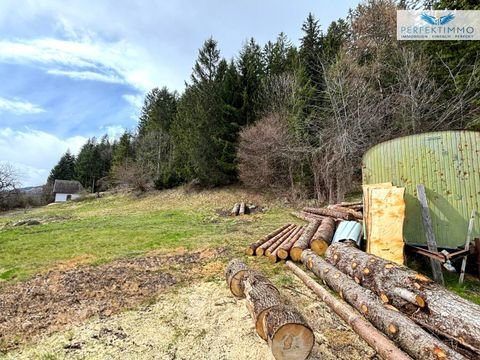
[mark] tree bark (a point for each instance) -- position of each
(356, 214)
(241, 211)
(350, 204)
(273, 256)
(259, 251)
(284, 249)
(443, 312)
(322, 238)
(306, 216)
(250, 250)
(404, 332)
(234, 274)
(261, 295)
(288, 334)
(235, 209)
(376, 339)
(329, 212)
(280, 240)
(304, 241)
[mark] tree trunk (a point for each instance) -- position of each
(288, 334)
(356, 214)
(304, 241)
(234, 274)
(376, 339)
(284, 249)
(329, 212)
(350, 204)
(306, 216)
(404, 332)
(235, 210)
(294, 236)
(261, 295)
(261, 249)
(322, 238)
(443, 312)
(280, 240)
(250, 250)
(241, 211)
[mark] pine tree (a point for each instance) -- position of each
(251, 69)
(64, 170)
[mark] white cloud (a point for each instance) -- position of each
(35, 152)
(88, 75)
(19, 107)
(86, 58)
(135, 100)
(114, 131)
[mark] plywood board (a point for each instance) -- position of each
(366, 205)
(387, 214)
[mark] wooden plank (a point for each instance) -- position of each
(428, 228)
(366, 206)
(387, 213)
(467, 245)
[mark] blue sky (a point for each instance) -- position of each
(71, 70)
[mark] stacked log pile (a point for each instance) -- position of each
(282, 326)
(412, 316)
(241, 208)
(289, 241)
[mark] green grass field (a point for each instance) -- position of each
(100, 230)
(96, 231)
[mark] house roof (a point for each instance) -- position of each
(67, 187)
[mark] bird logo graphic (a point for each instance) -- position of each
(437, 20)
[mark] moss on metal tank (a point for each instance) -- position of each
(448, 164)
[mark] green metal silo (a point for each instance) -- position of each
(448, 164)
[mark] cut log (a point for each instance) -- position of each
(349, 204)
(241, 211)
(376, 339)
(284, 249)
(273, 255)
(234, 273)
(288, 334)
(306, 216)
(235, 209)
(356, 214)
(261, 295)
(280, 240)
(259, 251)
(323, 236)
(403, 331)
(443, 313)
(302, 243)
(329, 212)
(250, 250)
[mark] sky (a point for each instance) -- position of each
(70, 70)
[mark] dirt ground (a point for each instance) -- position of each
(191, 314)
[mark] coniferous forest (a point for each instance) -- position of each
(292, 116)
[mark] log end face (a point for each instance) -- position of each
(282, 254)
(259, 251)
(319, 246)
(249, 251)
(236, 284)
(296, 254)
(292, 341)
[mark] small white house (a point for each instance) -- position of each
(65, 190)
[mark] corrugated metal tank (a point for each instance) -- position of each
(448, 164)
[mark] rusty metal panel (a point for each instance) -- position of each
(448, 164)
